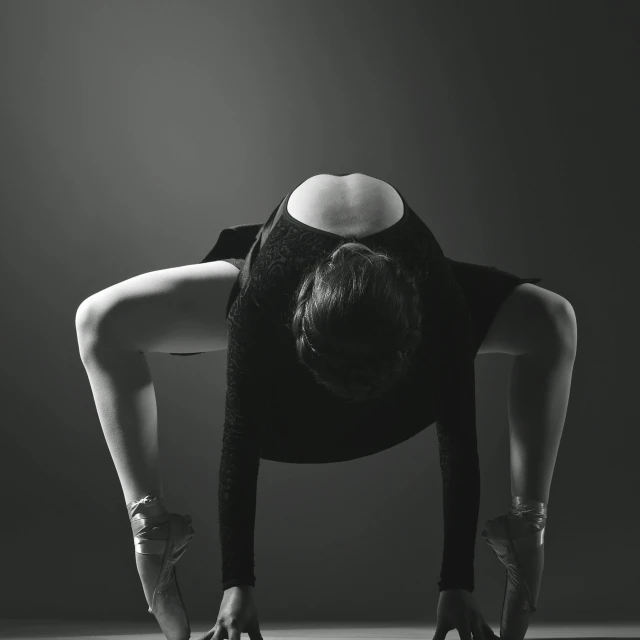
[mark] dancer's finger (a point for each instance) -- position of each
(488, 632)
(253, 630)
(478, 631)
(441, 632)
(214, 633)
(465, 631)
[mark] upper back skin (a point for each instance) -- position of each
(352, 205)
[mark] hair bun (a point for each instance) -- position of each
(357, 361)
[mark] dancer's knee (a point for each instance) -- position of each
(562, 329)
(548, 320)
(90, 325)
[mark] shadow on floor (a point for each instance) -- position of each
(109, 630)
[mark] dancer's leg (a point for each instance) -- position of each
(125, 400)
(181, 309)
(177, 310)
(539, 328)
(537, 406)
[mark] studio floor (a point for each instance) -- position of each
(94, 630)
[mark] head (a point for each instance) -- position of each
(357, 321)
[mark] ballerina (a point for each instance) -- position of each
(341, 316)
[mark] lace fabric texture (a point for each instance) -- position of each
(275, 410)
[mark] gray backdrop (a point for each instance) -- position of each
(131, 133)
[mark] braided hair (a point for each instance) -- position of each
(357, 321)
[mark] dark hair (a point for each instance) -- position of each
(357, 321)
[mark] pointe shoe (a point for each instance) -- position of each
(520, 597)
(167, 604)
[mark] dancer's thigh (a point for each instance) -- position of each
(180, 309)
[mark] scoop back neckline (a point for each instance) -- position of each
(331, 234)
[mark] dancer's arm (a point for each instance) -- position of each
(459, 464)
(246, 409)
(451, 355)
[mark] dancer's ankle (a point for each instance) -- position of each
(149, 505)
(527, 515)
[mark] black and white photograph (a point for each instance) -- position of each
(320, 319)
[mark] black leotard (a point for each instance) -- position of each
(275, 410)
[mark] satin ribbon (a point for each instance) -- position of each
(529, 510)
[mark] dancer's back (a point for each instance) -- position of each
(351, 204)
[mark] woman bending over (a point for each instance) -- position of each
(347, 332)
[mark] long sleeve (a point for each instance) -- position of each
(453, 388)
(459, 464)
(246, 410)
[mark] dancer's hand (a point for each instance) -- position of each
(457, 609)
(238, 614)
